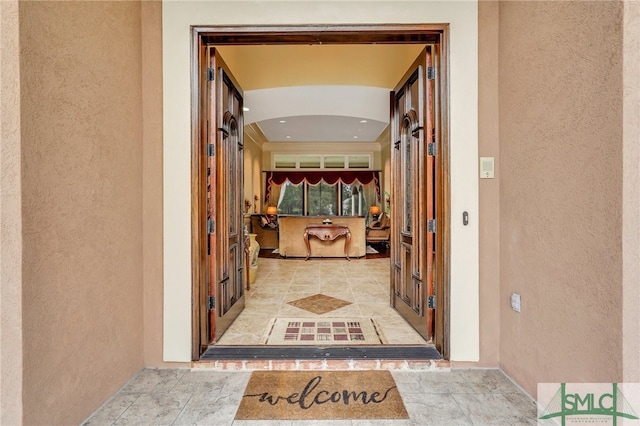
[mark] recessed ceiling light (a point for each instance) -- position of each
(288, 137)
(283, 121)
(363, 121)
(355, 137)
(245, 108)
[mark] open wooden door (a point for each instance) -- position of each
(412, 196)
(225, 275)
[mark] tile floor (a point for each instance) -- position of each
(207, 397)
(363, 282)
(203, 396)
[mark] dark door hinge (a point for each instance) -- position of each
(210, 74)
(432, 149)
(431, 225)
(211, 226)
(211, 303)
(431, 73)
(431, 302)
(211, 150)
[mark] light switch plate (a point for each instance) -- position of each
(515, 302)
(486, 167)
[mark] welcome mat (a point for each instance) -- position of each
(319, 303)
(323, 331)
(321, 395)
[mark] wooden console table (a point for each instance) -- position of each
(328, 232)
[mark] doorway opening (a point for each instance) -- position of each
(419, 284)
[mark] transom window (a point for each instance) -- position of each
(333, 161)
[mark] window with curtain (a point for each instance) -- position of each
(354, 200)
(323, 199)
(344, 193)
(291, 199)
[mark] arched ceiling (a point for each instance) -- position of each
(319, 92)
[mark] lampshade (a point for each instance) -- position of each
(272, 210)
(375, 210)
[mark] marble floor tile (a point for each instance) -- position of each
(490, 409)
(522, 402)
(154, 408)
(209, 409)
(161, 380)
(208, 397)
(200, 381)
(279, 281)
(435, 409)
(264, 423)
(111, 410)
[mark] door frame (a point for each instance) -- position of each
(201, 36)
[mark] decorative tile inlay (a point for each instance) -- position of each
(337, 331)
(319, 303)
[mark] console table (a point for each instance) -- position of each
(328, 232)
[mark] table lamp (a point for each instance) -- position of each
(374, 211)
(272, 210)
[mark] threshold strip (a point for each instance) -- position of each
(396, 352)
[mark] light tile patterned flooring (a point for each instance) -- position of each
(211, 397)
(363, 282)
(208, 397)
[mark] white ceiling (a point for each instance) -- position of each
(321, 128)
(321, 92)
(329, 113)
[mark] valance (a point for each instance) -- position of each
(329, 177)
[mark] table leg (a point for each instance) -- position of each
(306, 243)
(346, 244)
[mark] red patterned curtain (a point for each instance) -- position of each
(347, 177)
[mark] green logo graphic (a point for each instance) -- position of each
(564, 405)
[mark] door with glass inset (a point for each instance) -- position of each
(226, 275)
(412, 196)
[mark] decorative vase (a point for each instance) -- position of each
(254, 249)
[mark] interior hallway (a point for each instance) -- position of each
(364, 282)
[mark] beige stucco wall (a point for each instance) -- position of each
(80, 167)
(253, 176)
(152, 180)
(81, 141)
(10, 219)
(385, 166)
(631, 193)
(560, 102)
(489, 189)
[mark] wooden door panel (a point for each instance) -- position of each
(226, 266)
(412, 196)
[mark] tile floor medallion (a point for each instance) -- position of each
(319, 303)
(364, 283)
(325, 331)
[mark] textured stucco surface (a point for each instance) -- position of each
(561, 191)
(151, 12)
(80, 172)
(10, 219)
(489, 189)
(82, 204)
(631, 187)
